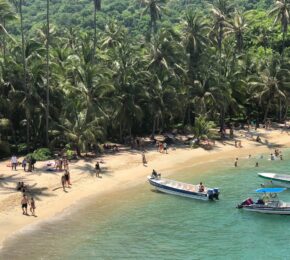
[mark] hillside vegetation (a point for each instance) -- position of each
(111, 70)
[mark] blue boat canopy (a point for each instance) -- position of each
(270, 190)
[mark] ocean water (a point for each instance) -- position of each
(143, 224)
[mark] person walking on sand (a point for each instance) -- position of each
(65, 163)
(67, 177)
(32, 206)
(24, 163)
(144, 159)
(24, 203)
(63, 182)
(98, 170)
(236, 162)
(161, 147)
(165, 147)
(14, 162)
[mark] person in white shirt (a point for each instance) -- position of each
(14, 162)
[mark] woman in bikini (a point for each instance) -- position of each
(32, 206)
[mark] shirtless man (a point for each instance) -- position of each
(24, 203)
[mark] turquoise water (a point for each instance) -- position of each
(143, 224)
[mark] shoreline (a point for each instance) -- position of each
(122, 171)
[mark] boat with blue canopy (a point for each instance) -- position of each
(274, 179)
(183, 189)
(267, 203)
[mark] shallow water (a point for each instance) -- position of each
(143, 224)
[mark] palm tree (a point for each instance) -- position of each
(6, 14)
(221, 12)
(97, 7)
(237, 27)
(195, 29)
(154, 8)
(281, 10)
(47, 73)
(271, 86)
(27, 90)
(80, 131)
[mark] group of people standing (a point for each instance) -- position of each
(25, 202)
(61, 163)
(27, 163)
(161, 147)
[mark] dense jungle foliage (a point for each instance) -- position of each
(81, 72)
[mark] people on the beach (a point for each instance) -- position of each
(67, 178)
(281, 157)
(24, 163)
(144, 161)
(201, 187)
(14, 162)
(272, 157)
(63, 180)
(24, 204)
(65, 163)
(20, 186)
(155, 175)
(161, 147)
(257, 164)
(32, 206)
(258, 139)
(165, 147)
(236, 162)
(98, 169)
(29, 163)
(157, 146)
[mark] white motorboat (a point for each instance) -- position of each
(183, 189)
(268, 202)
(274, 179)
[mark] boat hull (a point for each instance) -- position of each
(267, 210)
(178, 192)
(276, 179)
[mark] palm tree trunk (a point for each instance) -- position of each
(154, 125)
(283, 44)
(4, 42)
(26, 89)
(267, 110)
(280, 109)
(47, 73)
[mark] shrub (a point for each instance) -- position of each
(41, 154)
(22, 148)
(70, 154)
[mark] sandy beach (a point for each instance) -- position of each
(120, 171)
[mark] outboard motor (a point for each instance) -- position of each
(216, 193)
(210, 194)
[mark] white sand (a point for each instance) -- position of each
(122, 170)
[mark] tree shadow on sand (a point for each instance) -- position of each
(5, 180)
(38, 192)
(89, 168)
